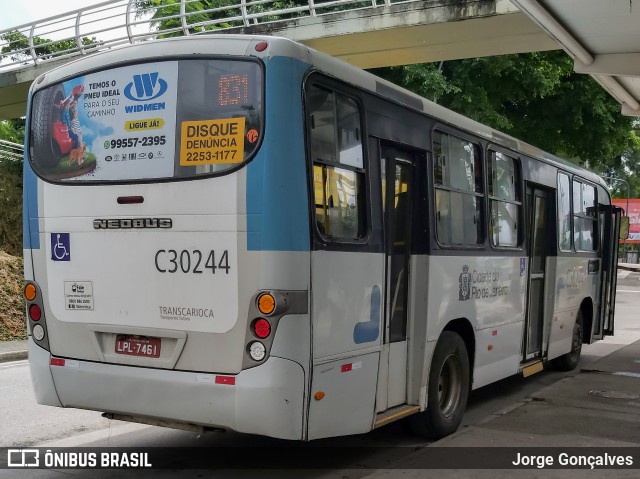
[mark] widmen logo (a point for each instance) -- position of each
(135, 223)
(465, 284)
(145, 87)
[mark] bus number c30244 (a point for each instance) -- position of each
(191, 261)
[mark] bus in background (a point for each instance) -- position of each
(243, 233)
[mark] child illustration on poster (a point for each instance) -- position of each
(58, 141)
(116, 124)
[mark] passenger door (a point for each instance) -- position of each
(609, 219)
(397, 167)
(538, 219)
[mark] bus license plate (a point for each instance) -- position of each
(138, 346)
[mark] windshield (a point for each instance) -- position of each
(171, 119)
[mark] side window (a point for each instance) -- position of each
(338, 165)
(459, 191)
(564, 212)
(584, 217)
(505, 197)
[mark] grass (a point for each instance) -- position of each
(12, 314)
(63, 169)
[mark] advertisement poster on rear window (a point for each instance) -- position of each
(112, 125)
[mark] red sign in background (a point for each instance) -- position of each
(634, 217)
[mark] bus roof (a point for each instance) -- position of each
(356, 76)
(229, 44)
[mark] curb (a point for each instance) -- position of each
(630, 268)
(13, 356)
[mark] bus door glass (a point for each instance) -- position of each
(397, 183)
(609, 219)
(538, 249)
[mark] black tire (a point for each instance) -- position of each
(448, 389)
(569, 361)
(43, 114)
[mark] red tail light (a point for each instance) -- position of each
(262, 328)
(35, 312)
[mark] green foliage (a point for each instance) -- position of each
(11, 207)
(197, 13)
(17, 48)
(12, 130)
(11, 191)
(12, 319)
(627, 174)
(201, 15)
(424, 79)
(535, 97)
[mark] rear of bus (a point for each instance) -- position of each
(166, 235)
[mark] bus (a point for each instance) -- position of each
(234, 232)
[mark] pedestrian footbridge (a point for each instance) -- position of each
(366, 33)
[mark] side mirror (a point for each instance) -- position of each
(624, 227)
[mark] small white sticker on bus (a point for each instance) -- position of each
(78, 295)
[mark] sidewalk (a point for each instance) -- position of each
(13, 350)
(597, 408)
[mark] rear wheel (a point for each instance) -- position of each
(569, 361)
(448, 389)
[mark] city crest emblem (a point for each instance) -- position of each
(465, 284)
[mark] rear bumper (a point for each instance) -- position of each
(41, 378)
(266, 400)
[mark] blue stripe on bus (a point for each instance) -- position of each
(369, 331)
(277, 205)
(30, 226)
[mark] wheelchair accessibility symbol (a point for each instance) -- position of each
(60, 250)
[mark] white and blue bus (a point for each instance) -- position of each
(237, 232)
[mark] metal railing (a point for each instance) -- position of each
(11, 151)
(117, 22)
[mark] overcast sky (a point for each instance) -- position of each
(18, 12)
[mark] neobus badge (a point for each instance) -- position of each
(128, 223)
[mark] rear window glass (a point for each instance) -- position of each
(173, 119)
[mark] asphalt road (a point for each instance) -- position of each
(24, 423)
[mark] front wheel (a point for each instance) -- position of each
(448, 389)
(569, 361)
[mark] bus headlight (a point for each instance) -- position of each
(257, 351)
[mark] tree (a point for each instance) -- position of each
(17, 47)
(535, 97)
(12, 130)
(11, 190)
(11, 207)
(200, 16)
(628, 172)
(196, 13)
